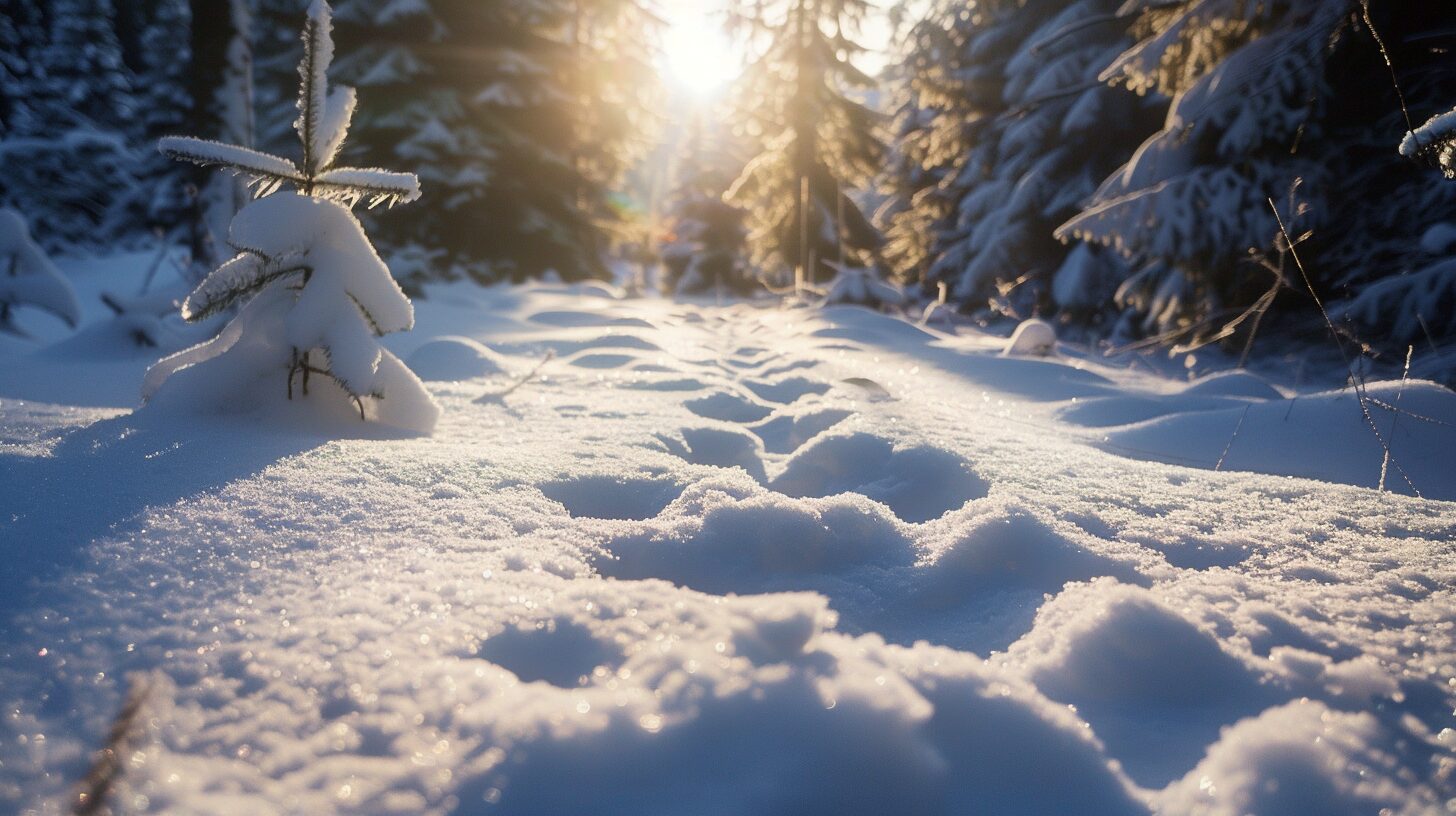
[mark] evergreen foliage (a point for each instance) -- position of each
(1007, 130)
(521, 115)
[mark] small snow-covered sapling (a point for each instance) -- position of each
(28, 278)
(314, 295)
(858, 285)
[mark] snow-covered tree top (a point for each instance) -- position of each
(322, 125)
(27, 276)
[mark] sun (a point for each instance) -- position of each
(696, 54)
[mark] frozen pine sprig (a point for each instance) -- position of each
(314, 296)
(322, 125)
(1435, 141)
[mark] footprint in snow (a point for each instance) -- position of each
(918, 483)
(728, 407)
(786, 390)
(559, 652)
(612, 497)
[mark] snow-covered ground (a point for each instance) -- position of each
(727, 559)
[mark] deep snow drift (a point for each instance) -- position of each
(736, 559)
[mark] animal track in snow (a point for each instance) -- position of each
(680, 384)
(603, 361)
(574, 319)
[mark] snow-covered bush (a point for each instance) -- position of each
(315, 296)
(28, 278)
(861, 286)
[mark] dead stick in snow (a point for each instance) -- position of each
(1395, 415)
(109, 763)
(500, 395)
(1355, 380)
(1226, 448)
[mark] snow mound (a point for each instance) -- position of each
(1301, 757)
(1033, 338)
(1011, 548)
(452, 359)
(1233, 384)
(718, 539)
(1155, 686)
(1321, 436)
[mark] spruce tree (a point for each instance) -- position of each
(704, 250)
(66, 155)
(160, 203)
(815, 144)
(1061, 133)
(314, 295)
(1388, 270)
(21, 33)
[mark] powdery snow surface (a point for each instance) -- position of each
(734, 560)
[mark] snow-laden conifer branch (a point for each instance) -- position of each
(262, 167)
(349, 185)
(28, 278)
(1435, 141)
(234, 281)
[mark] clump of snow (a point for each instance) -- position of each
(1033, 337)
(1439, 238)
(918, 483)
(1301, 757)
(1234, 384)
(452, 359)
(28, 278)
